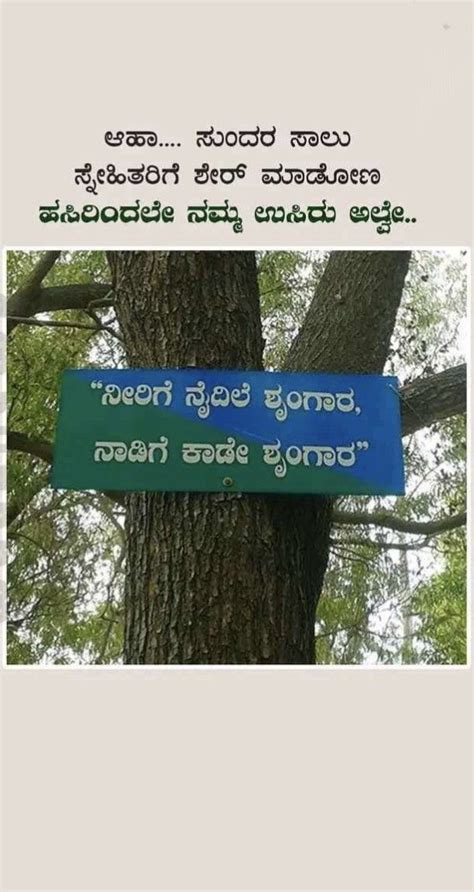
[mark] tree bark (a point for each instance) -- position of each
(230, 578)
(431, 399)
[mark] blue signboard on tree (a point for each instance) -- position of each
(213, 430)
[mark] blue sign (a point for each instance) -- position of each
(216, 430)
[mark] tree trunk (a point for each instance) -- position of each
(231, 578)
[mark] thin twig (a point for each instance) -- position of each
(49, 323)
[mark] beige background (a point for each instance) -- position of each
(253, 778)
(394, 74)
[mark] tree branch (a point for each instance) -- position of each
(427, 400)
(21, 302)
(398, 546)
(349, 323)
(75, 297)
(29, 301)
(400, 524)
(40, 271)
(50, 323)
(17, 442)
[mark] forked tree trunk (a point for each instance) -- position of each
(229, 578)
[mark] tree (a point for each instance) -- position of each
(231, 578)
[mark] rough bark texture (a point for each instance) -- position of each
(433, 399)
(225, 578)
(350, 321)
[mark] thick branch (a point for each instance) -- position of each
(388, 520)
(17, 442)
(349, 325)
(350, 321)
(28, 302)
(75, 297)
(432, 399)
(23, 299)
(40, 271)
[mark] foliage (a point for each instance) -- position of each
(64, 571)
(440, 608)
